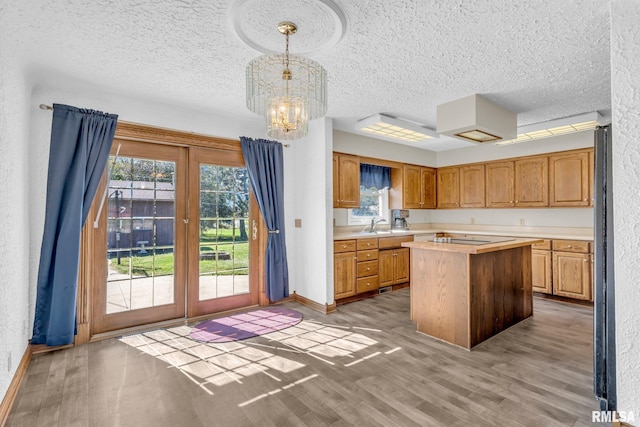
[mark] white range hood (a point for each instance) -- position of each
(476, 119)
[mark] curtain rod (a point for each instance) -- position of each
(49, 107)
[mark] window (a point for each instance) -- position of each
(373, 203)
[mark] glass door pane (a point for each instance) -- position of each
(223, 240)
(140, 234)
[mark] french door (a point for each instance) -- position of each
(173, 237)
(222, 227)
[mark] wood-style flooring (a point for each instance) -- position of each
(364, 365)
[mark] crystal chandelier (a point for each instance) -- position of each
(287, 90)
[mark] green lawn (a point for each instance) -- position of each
(211, 241)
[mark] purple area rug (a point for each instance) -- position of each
(246, 325)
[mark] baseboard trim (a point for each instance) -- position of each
(322, 308)
(12, 391)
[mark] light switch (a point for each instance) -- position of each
(298, 223)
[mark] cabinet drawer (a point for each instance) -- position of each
(364, 244)
(344, 246)
(367, 268)
(393, 242)
(581, 246)
(543, 246)
(367, 284)
(371, 255)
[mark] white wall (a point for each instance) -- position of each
(625, 104)
(312, 254)
(542, 217)
(15, 329)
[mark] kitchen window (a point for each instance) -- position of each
(374, 203)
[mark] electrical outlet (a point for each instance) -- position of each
(521, 221)
(298, 223)
(472, 220)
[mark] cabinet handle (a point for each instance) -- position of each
(368, 244)
(368, 268)
(510, 201)
(584, 260)
(585, 200)
(368, 255)
(254, 230)
(344, 246)
(569, 246)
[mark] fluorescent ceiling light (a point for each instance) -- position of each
(573, 124)
(389, 127)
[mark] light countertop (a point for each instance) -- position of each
(568, 233)
(470, 249)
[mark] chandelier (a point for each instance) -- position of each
(287, 90)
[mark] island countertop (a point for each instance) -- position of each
(471, 248)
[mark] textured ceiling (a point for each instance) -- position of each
(543, 59)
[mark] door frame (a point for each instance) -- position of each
(127, 131)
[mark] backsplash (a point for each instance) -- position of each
(549, 217)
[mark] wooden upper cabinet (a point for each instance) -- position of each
(569, 179)
(472, 188)
(347, 175)
(418, 187)
(428, 187)
(411, 194)
(448, 191)
(531, 181)
(500, 184)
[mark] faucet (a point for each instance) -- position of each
(374, 221)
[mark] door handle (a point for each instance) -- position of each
(254, 229)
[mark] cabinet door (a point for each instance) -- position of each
(385, 267)
(428, 186)
(541, 271)
(448, 192)
(500, 184)
(532, 182)
(344, 275)
(569, 179)
(572, 275)
(411, 191)
(349, 181)
(472, 186)
(401, 265)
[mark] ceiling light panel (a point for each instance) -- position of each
(564, 126)
(390, 127)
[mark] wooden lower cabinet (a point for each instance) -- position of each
(541, 271)
(344, 274)
(572, 275)
(393, 266)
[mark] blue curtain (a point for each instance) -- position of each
(375, 176)
(265, 166)
(80, 143)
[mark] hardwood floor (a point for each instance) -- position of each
(364, 365)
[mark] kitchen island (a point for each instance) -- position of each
(466, 290)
